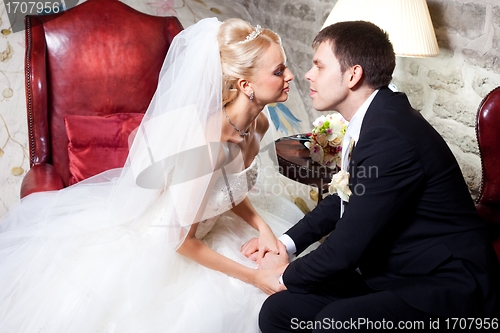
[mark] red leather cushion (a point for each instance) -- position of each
(98, 143)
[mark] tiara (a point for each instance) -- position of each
(254, 34)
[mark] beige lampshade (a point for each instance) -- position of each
(407, 22)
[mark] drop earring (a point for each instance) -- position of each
(251, 97)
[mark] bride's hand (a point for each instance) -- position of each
(267, 243)
(256, 248)
(251, 249)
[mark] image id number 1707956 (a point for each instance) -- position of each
(33, 7)
(471, 323)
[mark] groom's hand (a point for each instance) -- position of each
(272, 260)
(251, 249)
(268, 280)
(267, 277)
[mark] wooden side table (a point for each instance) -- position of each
(295, 163)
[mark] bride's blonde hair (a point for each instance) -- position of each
(241, 59)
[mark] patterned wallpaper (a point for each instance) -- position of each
(290, 117)
(13, 128)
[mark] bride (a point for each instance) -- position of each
(155, 246)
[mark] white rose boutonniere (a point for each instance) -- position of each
(340, 185)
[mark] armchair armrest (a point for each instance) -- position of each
(41, 177)
(491, 217)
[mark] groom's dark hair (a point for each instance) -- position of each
(361, 43)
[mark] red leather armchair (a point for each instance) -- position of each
(488, 137)
(99, 58)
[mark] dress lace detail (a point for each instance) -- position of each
(237, 183)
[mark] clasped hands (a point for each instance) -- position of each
(272, 262)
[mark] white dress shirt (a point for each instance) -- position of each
(352, 132)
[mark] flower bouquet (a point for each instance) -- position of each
(325, 143)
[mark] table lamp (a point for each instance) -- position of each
(407, 22)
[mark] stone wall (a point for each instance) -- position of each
(447, 89)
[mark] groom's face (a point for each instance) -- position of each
(328, 88)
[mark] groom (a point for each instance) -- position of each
(408, 247)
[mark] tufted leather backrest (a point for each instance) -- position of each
(488, 137)
(98, 58)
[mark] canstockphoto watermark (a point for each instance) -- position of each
(17, 10)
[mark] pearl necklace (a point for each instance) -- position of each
(247, 133)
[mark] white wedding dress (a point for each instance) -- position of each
(100, 256)
(73, 275)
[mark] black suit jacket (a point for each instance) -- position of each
(410, 224)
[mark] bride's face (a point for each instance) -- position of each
(271, 81)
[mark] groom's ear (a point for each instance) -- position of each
(355, 75)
